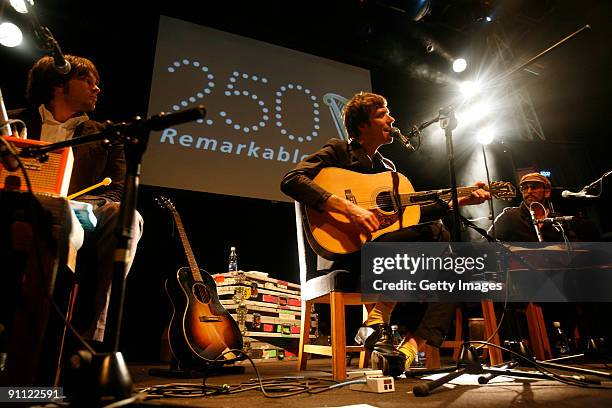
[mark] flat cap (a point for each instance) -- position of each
(537, 177)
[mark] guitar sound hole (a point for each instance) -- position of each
(201, 292)
(384, 201)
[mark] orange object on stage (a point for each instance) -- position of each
(52, 176)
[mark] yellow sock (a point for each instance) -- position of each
(410, 351)
(381, 313)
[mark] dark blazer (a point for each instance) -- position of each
(514, 224)
(92, 161)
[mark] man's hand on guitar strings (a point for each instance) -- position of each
(366, 220)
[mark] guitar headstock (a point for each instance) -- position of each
(165, 202)
(502, 190)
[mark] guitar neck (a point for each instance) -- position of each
(193, 265)
(428, 197)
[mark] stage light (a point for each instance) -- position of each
(474, 112)
(489, 19)
(469, 88)
(10, 35)
(429, 46)
(485, 135)
(459, 65)
(19, 5)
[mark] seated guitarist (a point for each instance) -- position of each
(368, 122)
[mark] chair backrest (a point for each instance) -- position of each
(308, 259)
(306, 256)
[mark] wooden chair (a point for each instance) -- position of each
(490, 325)
(338, 288)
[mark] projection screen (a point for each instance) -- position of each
(267, 107)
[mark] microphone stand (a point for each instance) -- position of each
(448, 122)
(110, 375)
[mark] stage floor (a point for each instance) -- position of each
(509, 393)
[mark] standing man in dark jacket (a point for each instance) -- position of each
(58, 109)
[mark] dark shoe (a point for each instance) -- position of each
(389, 364)
(378, 338)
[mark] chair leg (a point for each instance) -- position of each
(60, 357)
(538, 335)
(433, 357)
(490, 322)
(338, 336)
(304, 335)
(458, 332)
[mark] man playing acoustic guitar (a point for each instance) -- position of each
(368, 122)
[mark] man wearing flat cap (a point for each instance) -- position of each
(515, 224)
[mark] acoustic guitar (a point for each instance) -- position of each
(389, 195)
(201, 329)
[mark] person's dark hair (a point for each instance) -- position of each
(43, 77)
(357, 111)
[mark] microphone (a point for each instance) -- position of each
(160, 121)
(165, 120)
(535, 224)
(397, 134)
(581, 194)
(47, 42)
(554, 220)
(59, 62)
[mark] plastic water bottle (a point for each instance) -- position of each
(421, 359)
(561, 343)
(395, 335)
(233, 260)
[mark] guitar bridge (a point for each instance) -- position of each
(209, 319)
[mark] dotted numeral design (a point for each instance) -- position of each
(279, 108)
(199, 95)
(231, 90)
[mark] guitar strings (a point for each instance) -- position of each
(387, 201)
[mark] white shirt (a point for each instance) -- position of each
(53, 131)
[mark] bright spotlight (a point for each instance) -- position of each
(469, 88)
(20, 6)
(459, 65)
(474, 113)
(10, 35)
(489, 19)
(486, 135)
